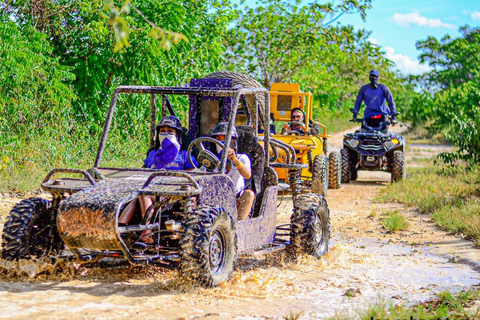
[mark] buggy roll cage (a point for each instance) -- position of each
(196, 91)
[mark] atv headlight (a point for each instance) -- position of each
(353, 143)
(391, 143)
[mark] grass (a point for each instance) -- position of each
(425, 135)
(24, 165)
(395, 221)
(450, 195)
(446, 306)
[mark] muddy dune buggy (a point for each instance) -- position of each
(194, 216)
(323, 171)
(374, 149)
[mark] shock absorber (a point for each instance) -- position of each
(187, 205)
(294, 181)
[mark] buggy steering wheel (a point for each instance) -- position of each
(205, 157)
(295, 132)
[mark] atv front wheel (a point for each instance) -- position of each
(399, 167)
(208, 246)
(335, 172)
(345, 166)
(310, 225)
(320, 174)
(26, 233)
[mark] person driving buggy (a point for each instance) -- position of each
(375, 95)
(166, 154)
(242, 164)
(297, 124)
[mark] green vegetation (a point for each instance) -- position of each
(446, 306)
(67, 58)
(449, 194)
(450, 100)
(395, 221)
(283, 41)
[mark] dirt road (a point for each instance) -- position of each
(365, 264)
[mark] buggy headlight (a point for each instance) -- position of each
(353, 143)
(391, 143)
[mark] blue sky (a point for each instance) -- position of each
(397, 25)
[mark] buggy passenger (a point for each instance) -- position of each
(241, 163)
(166, 154)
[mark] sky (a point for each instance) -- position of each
(396, 25)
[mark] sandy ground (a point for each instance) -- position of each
(365, 264)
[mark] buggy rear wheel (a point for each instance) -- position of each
(335, 172)
(208, 246)
(345, 166)
(26, 232)
(310, 225)
(320, 174)
(399, 167)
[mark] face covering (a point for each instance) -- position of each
(168, 150)
(374, 82)
(219, 149)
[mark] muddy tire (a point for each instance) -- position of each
(335, 170)
(399, 167)
(26, 231)
(320, 174)
(208, 246)
(310, 225)
(345, 166)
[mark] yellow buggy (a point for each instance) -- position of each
(310, 144)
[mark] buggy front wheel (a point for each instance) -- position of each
(208, 246)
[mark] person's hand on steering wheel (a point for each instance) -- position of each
(205, 157)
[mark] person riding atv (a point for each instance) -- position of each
(374, 147)
(375, 95)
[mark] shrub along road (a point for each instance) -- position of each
(366, 263)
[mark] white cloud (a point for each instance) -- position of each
(475, 15)
(415, 19)
(404, 63)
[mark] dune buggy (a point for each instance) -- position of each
(323, 171)
(373, 149)
(194, 217)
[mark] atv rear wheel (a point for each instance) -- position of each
(26, 231)
(320, 174)
(335, 172)
(345, 166)
(310, 225)
(399, 167)
(208, 246)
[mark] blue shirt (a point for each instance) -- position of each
(375, 101)
(179, 163)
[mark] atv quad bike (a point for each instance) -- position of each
(323, 171)
(194, 216)
(373, 149)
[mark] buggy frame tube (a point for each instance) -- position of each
(170, 90)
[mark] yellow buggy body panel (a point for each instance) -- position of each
(283, 98)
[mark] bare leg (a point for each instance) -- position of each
(244, 204)
(128, 213)
(145, 203)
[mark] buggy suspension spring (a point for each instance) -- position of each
(294, 181)
(310, 161)
(187, 205)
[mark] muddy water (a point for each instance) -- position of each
(364, 265)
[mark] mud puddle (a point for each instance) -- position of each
(365, 264)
